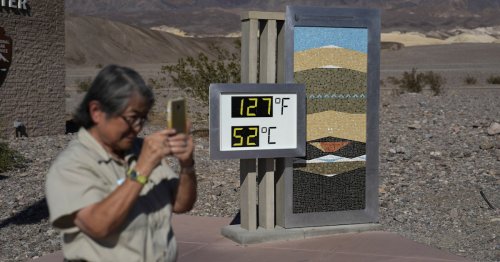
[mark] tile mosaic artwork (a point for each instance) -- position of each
(332, 63)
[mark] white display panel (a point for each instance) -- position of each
(257, 121)
(254, 132)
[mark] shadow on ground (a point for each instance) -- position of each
(30, 215)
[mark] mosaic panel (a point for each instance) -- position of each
(319, 193)
(332, 63)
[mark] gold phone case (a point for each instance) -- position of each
(176, 114)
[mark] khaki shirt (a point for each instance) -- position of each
(84, 174)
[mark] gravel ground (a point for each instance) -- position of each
(435, 160)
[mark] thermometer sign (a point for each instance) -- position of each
(257, 119)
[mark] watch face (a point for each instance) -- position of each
(136, 177)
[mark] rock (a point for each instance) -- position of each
(401, 150)
(486, 144)
(436, 155)
(415, 125)
(467, 153)
(391, 158)
(456, 153)
(493, 129)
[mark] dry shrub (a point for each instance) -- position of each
(414, 82)
(194, 74)
(83, 85)
(9, 158)
(493, 80)
(435, 82)
(470, 80)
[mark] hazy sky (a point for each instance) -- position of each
(314, 37)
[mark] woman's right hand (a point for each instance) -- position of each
(154, 149)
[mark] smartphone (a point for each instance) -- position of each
(176, 114)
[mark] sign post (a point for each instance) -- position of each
(326, 182)
(5, 55)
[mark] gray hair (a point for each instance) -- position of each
(112, 88)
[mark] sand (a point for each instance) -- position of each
(336, 57)
(336, 124)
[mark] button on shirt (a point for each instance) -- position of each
(84, 174)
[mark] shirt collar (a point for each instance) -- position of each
(89, 141)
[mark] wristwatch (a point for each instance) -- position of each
(135, 176)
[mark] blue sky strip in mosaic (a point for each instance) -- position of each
(315, 37)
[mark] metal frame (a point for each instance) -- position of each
(339, 18)
(217, 89)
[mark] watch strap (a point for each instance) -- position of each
(132, 174)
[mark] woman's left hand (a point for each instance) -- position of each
(182, 147)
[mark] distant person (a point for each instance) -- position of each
(110, 193)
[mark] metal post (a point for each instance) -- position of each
(252, 38)
(248, 174)
(266, 166)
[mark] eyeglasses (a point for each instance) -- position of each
(135, 121)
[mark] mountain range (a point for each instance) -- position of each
(221, 17)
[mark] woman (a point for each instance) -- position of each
(109, 192)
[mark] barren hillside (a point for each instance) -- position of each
(91, 41)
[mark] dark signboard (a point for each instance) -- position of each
(5, 55)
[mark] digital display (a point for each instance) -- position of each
(249, 136)
(257, 120)
(260, 121)
(252, 106)
(245, 136)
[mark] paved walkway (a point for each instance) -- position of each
(199, 239)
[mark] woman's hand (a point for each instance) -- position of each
(162, 144)
(155, 147)
(182, 147)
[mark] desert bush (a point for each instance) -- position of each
(410, 81)
(493, 80)
(9, 158)
(156, 83)
(414, 82)
(195, 74)
(470, 80)
(99, 66)
(435, 81)
(83, 85)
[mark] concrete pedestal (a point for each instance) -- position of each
(243, 236)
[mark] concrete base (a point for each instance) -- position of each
(243, 236)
